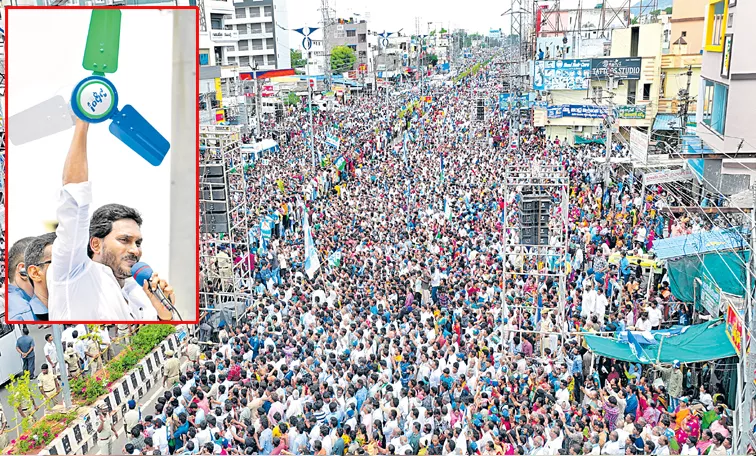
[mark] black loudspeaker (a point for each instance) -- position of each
(213, 199)
(534, 219)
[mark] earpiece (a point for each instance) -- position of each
(22, 273)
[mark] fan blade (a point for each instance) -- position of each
(133, 130)
(103, 40)
(45, 119)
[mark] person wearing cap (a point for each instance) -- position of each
(48, 386)
(171, 369)
(132, 417)
(673, 379)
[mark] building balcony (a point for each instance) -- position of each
(219, 7)
(250, 52)
(681, 60)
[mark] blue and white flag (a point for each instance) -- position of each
(333, 141)
(266, 231)
(636, 348)
(334, 260)
(312, 262)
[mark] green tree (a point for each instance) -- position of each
(292, 99)
(342, 59)
(433, 59)
(296, 59)
(443, 30)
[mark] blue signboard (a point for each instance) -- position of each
(566, 74)
(526, 99)
(204, 58)
(582, 111)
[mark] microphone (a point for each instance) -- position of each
(142, 272)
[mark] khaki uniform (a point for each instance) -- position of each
(122, 334)
(72, 364)
(193, 352)
(93, 352)
(172, 370)
(104, 438)
(47, 384)
(27, 407)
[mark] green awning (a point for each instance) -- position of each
(582, 140)
(699, 343)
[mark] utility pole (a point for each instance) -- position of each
(62, 368)
(609, 124)
(326, 14)
(685, 101)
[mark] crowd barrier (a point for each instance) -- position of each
(81, 436)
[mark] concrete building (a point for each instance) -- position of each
(727, 93)
(259, 35)
(353, 34)
(688, 23)
(639, 86)
(215, 40)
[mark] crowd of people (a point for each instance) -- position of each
(426, 330)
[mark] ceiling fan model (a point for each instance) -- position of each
(94, 99)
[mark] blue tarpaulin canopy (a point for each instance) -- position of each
(701, 243)
(666, 122)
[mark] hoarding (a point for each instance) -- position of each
(631, 111)
(622, 68)
(567, 74)
(638, 145)
(581, 111)
(711, 295)
(666, 176)
(734, 328)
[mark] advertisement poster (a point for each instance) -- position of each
(567, 74)
(621, 68)
(726, 55)
(581, 111)
(734, 328)
(711, 295)
(631, 111)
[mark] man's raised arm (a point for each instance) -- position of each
(75, 170)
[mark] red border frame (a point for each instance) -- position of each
(196, 148)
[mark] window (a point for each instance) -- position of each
(715, 105)
(257, 45)
(244, 45)
(632, 85)
(270, 43)
(244, 60)
(351, 33)
(241, 12)
(362, 38)
(363, 54)
(216, 21)
(268, 11)
(684, 33)
(715, 25)
(259, 60)
(255, 28)
(5, 329)
(272, 60)
(352, 46)
(598, 93)
(646, 92)
(254, 11)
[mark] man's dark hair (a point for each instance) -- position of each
(103, 218)
(35, 251)
(16, 256)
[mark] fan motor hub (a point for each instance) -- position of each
(94, 99)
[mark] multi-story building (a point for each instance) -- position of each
(727, 92)
(261, 35)
(353, 34)
(579, 91)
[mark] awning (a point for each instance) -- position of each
(697, 343)
(666, 122)
(701, 243)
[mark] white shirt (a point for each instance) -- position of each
(654, 316)
(82, 287)
(51, 353)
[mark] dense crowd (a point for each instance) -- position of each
(406, 340)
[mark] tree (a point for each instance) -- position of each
(292, 99)
(442, 31)
(296, 59)
(433, 59)
(342, 59)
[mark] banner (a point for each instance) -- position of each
(312, 262)
(631, 112)
(622, 68)
(711, 295)
(667, 175)
(333, 140)
(218, 91)
(581, 111)
(567, 74)
(734, 328)
(639, 145)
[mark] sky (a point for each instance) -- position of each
(118, 175)
(392, 15)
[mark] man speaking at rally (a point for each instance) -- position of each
(90, 276)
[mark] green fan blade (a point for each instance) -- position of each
(103, 39)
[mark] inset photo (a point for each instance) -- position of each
(102, 165)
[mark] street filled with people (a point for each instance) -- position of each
(419, 324)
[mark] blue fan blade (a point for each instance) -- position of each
(133, 130)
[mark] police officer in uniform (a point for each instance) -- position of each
(171, 369)
(72, 361)
(48, 386)
(105, 431)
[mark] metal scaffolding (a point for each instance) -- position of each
(542, 182)
(225, 286)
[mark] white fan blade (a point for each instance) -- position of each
(42, 120)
